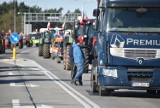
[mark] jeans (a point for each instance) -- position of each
(80, 67)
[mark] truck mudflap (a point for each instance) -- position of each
(129, 78)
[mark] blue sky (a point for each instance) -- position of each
(71, 5)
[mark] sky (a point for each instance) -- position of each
(88, 5)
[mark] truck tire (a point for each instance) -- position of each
(68, 66)
(102, 92)
(94, 86)
(93, 83)
(46, 51)
(40, 52)
(105, 92)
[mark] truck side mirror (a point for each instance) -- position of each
(96, 12)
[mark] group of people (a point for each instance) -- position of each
(77, 58)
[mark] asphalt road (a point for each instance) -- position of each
(31, 81)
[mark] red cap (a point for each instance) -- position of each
(80, 38)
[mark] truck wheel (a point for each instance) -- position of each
(68, 66)
(40, 50)
(93, 83)
(94, 87)
(105, 92)
(73, 72)
(46, 51)
(102, 92)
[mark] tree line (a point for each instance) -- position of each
(7, 15)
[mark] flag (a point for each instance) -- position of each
(82, 13)
(63, 26)
(48, 26)
(82, 17)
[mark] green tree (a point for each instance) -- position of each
(7, 21)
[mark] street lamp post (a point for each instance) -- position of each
(14, 2)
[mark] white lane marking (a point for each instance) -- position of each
(78, 96)
(22, 85)
(16, 104)
(10, 73)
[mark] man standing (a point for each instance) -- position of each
(79, 61)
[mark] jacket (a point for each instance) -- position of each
(77, 54)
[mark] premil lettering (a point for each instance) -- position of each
(143, 42)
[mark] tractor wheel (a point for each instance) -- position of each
(86, 64)
(3, 46)
(28, 44)
(40, 50)
(64, 58)
(58, 60)
(20, 45)
(46, 51)
(68, 66)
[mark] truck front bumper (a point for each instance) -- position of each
(123, 78)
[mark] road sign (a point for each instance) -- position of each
(14, 38)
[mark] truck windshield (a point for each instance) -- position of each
(133, 19)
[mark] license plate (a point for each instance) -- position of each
(138, 84)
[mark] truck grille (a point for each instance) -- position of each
(139, 74)
(146, 54)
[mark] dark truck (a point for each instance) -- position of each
(127, 48)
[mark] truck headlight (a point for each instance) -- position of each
(110, 72)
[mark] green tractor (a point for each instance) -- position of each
(79, 29)
(67, 41)
(34, 38)
(45, 41)
(85, 30)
